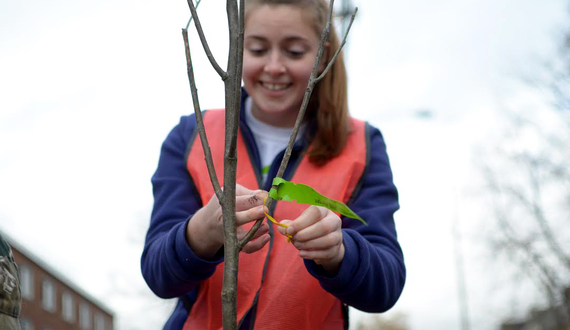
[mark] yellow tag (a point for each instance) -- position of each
(289, 237)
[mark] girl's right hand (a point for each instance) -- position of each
(205, 231)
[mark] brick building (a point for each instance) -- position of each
(52, 302)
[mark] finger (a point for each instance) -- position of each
(247, 201)
(283, 230)
(319, 256)
(329, 224)
(321, 243)
(241, 190)
(263, 229)
(212, 211)
(310, 216)
(249, 215)
(256, 244)
(213, 202)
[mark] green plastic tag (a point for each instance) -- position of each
(303, 194)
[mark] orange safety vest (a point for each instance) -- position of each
(289, 297)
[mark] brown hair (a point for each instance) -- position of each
(328, 106)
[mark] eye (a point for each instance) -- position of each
(256, 51)
(255, 46)
(295, 53)
(294, 49)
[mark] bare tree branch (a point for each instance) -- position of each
(190, 19)
(313, 80)
(532, 272)
(233, 96)
(535, 206)
(232, 82)
(199, 120)
(545, 271)
(200, 31)
(540, 182)
(226, 197)
(333, 59)
(511, 238)
(538, 212)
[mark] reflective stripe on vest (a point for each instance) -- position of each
(290, 298)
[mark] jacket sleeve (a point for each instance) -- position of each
(372, 274)
(169, 266)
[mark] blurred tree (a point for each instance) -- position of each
(344, 11)
(529, 185)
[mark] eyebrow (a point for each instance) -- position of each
(291, 38)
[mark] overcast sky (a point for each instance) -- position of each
(90, 89)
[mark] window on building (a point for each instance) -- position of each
(48, 295)
(67, 307)
(26, 282)
(84, 316)
(100, 322)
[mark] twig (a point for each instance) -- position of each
(536, 209)
(523, 246)
(313, 80)
(333, 59)
(190, 19)
(199, 120)
(226, 197)
(219, 70)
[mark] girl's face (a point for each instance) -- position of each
(280, 46)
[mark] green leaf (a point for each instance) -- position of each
(303, 194)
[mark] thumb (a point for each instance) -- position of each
(286, 222)
(283, 230)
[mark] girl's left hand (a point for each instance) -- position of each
(317, 235)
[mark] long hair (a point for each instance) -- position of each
(328, 106)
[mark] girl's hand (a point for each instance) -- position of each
(317, 235)
(205, 231)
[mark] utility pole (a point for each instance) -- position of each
(459, 268)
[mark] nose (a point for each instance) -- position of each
(274, 65)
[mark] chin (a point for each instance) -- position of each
(274, 109)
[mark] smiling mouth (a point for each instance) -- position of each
(274, 87)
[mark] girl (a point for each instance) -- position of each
(331, 262)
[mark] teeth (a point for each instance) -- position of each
(275, 87)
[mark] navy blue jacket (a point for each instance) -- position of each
(371, 276)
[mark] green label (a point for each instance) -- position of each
(303, 194)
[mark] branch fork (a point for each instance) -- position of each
(232, 82)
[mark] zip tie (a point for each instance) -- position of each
(289, 237)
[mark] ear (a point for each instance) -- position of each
(323, 64)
